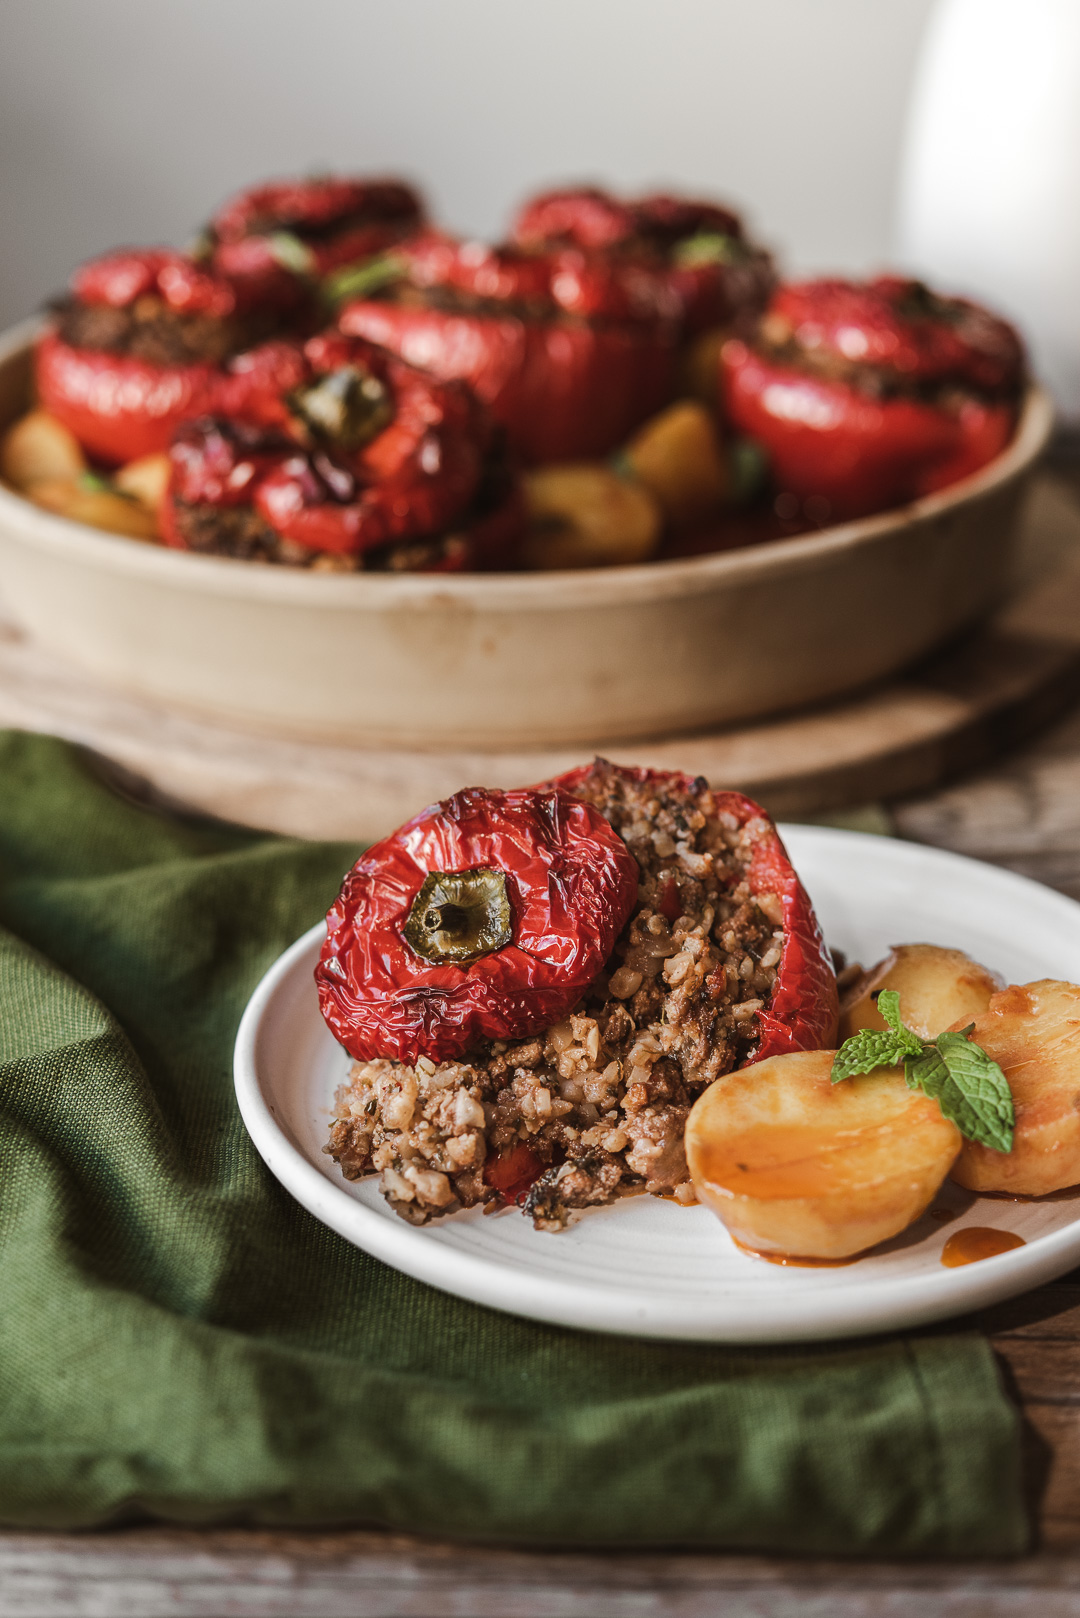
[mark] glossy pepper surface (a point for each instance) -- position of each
(565, 884)
(120, 401)
(315, 226)
(712, 271)
(866, 396)
(340, 447)
(569, 350)
(803, 1011)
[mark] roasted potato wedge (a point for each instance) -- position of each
(678, 457)
(583, 515)
(145, 480)
(794, 1164)
(1033, 1033)
(701, 366)
(98, 508)
(39, 447)
(938, 988)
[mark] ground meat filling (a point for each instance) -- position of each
(779, 343)
(150, 330)
(450, 300)
(329, 230)
(239, 532)
(601, 1100)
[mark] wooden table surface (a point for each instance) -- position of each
(1023, 813)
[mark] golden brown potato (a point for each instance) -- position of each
(145, 480)
(678, 457)
(794, 1164)
(39, 447)
(98, 508)
(1033, 1033)
(585, 516)
(938, 989)
(701, 366)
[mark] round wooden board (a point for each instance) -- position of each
(988, 692)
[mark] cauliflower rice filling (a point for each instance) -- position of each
(601, 1100)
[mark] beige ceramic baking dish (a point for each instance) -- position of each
(516, 659)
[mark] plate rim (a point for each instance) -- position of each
(914, 1300)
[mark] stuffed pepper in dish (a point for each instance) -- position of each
(313, 227)
(142, 340)
(865, 395)
(570, 350)
(336, 455)
(715, 273)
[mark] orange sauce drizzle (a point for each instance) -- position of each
(976, 1242)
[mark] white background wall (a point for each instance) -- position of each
(127, 120)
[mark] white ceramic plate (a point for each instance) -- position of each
(651, 1268)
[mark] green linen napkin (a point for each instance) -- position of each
(178, 1338)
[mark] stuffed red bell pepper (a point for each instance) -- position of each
(316, 226)
(140, 344)
(537, 984)
(570, 350)
(338, 456)
(868, 395)
(716, 274)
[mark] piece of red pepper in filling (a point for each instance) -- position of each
(867, 396)
(802, 1014)
(486, 916)
(512, 1173)
(141, 342)
(715, 274)
(357, 450)
(569, 350)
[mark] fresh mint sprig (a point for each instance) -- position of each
(362, 280)
(966, 1083)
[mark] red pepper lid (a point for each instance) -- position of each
(486, 916)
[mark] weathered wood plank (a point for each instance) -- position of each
(171, 1574)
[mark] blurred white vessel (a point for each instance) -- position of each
(989, 198)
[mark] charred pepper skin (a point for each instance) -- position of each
(716, 289)
(571, 883)
(120, 406)
(804, 1011)
(414, 475)
(867, 396)
(569, 350)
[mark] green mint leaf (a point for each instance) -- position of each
(94, 484)
(868, 1049)
(290, 252)
(888, 1004)
(929, 1074)
(968, 1086)
(708, 247)
(202, 247)
(748, 469)
(877, 1047)
(361, 280)
(989, 1118)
